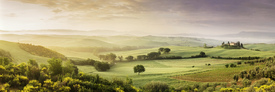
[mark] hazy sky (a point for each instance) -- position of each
(140, 16)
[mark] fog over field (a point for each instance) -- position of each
(137, 45)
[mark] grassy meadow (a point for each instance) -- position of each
(19, 55)
(262, 47)
(158, 70)
(185, 51)
(174, 72)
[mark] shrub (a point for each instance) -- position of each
(236, 77)
(233, 65)
(226, 65)
(156, 87)
(246, 82)
(102, 66)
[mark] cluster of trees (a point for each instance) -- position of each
(202, 54)
(30, 77)
(108, 57)
(100, 66)
(97, 50)
(41, 51)
(164, 50)
(230, 65)
(236, 45)
(236, 58)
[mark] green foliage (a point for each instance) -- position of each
(129, 58)
(55, 66)
(156, 87)
(2, 69)
(33, 86)
(166, 50)
(246, 82)
(5, 87)
(33, 72)
(226, 65)
(233, 65)
(102, 66)
(22, 68)
(138, 69)
(153, 55)
(4, 61)
(236, 77)
(41, 51)
(42, 82)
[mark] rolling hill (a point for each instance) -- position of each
(19, 55)
(261, 46)
(107, 41)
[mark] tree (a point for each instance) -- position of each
(161, 49)
(33, 71)
(102, 66)
(111, 56)
(130, 58)
(205, 45)
(236, 77)
(138, 69)
(153, 55)
(202, 54)
(55, 66)
(242, 45)
(141, 57)
(120, 58)
(226, 65)
(167, 50)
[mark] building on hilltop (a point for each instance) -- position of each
(233, 44)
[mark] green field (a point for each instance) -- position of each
(262, 47)
(190, 51)
(175, 72)
(158, 70)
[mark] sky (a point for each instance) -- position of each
(140, 16)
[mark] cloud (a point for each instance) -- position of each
(56, 10)
(11, 15)
(96, 8)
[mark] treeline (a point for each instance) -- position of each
(100, 66)
(41, 51)
(236, 58)
(97, 50)
(149, 56)
(56, 77)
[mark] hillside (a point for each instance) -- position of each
(190, 51)
(262, 47)
(107, 41)
(6, 54)
(18, 54)
(41, 51)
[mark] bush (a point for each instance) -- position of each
(102, 66)
(246, 82)
(233, 65)
(156, 87)
(226, 65)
